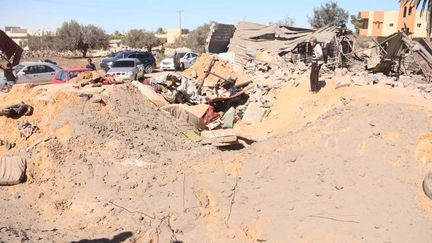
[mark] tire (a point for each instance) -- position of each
(136, 77)
(182, 67)
(148, 69)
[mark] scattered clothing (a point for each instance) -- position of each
(188, 89)
(17, 111)
(210, 115)
(27, 129)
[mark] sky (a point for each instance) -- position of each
(123, 15)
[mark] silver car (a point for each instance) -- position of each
(127, 68)
(35, 72)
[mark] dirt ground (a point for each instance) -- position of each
(345, 165)
(68, 62)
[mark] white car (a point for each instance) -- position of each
(35, 72)
(127, 69)
(187, 59)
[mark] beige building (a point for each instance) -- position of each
(17, 34)
(171, 36)
(385, 23)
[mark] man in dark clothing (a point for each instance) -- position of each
(176, 58)
(9, 76)
(91, 65)
(317, 62)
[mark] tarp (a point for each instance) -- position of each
(11, 50)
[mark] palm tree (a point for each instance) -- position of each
(423, 5)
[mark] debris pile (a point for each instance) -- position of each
(94, 78)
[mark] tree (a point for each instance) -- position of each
(426, 5)
(357, 21)
(160, 30)
(44, 42)
(328, 13)
(116, 36)
(196, 39)
(141, 39)
(287, 21)
(73, 36)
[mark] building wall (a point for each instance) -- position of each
(382, 24)
(390, 23)
(407, 17)
(420, 26)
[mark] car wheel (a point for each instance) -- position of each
(136, 77)
(148, 69)
(182, 67)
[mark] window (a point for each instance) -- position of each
(141, 56)
(121, 64)
(133, 56)
(31, 70)
(418, 25)
(410, 11)
(45, 69)
(391, 25)
(365, 23)
(405, 12)
(63, 76)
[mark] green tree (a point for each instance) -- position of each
(328, 13)
(44, 42)
(140, 39)
(357, 21)
(160, 30)
(196, 39)
(116, 35)
(424, 6)
(73, 36)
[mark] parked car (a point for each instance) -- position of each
(67, 74)
(146, 58)
(35, 72)
(50, 61)
(187, 59)
(127, 68)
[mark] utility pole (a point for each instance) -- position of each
(180, 23)
(180, 20)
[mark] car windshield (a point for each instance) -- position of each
(18, 68)
(123, 64)
(113, 54)
(181, 54)
(118, 55)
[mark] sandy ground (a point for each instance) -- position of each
(345, 165)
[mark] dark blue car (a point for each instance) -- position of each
(146, 58)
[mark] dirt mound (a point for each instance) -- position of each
(91, 143)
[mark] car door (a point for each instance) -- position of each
(46, 74)
(142, 58)
(28, 74)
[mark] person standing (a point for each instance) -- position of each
(317, 62)
(176, 58)
(10, 78)
(91, 65)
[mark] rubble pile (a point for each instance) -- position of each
(94, 78)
